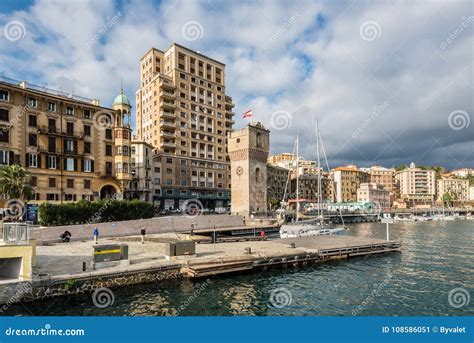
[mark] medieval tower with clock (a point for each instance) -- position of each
(248, 152)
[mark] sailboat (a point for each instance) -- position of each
(317, 226)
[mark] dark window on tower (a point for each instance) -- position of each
(87, 130)
(108, 134)
(4, 115)
(108, 150)
(4, 136)
(32, 139)
(108, 168)
(32, 120)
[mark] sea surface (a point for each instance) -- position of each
(433, 275)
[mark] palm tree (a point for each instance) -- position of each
(14, 184)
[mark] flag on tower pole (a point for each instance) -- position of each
(247, 114)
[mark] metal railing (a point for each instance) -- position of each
(16, 233)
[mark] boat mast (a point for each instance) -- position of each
(297, 177)
(319, 170)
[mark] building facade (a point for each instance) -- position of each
(375, 193)
(183, 111)
(417, 186)
(277, 184)
(457, 189)
(143, 172)
(347, 181)
(248, 151)
(72, 147)
(383, 176)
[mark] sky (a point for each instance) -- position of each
(390, 82)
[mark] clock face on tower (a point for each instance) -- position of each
(239, 171)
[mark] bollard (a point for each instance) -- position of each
(248, 251)
(83, 266)
(292, 245)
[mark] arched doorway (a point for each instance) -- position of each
(107, 192)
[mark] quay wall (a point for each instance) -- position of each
(133, 227)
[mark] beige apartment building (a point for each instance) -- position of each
(346, 182)
(277, 183)
(383, 176)
(143, 172)
(281, 159)
(417, 186)
(374, 192)
(183, 111)
(72, 147)
(457, 188)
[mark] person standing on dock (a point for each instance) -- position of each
(95, 233)
(143, 233)
(262, 235)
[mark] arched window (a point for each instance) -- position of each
(259, 140)
(257, 175)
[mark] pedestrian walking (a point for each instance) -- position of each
(143, 233)
(95, 233)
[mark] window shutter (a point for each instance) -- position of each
(58, 162)
(16, 159)
(11, 157)
(39, 160)
(82, 164)
(92, 166)
(75, 164)
(65, 164)
(47, 161)
(27, 162)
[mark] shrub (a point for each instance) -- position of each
(86, 212)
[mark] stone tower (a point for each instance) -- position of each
(123, 140)
(248, 151)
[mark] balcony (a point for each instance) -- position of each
(167, 114)
(171, 145)
(167, 95)
(166, 123)
(167, 134)
(167, 104)
(56, 132)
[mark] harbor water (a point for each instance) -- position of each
(432, 276)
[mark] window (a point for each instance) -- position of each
(52, 162)
(32, 139)
(87, 114)
(52, 125)
(87, 166)
(33, 160)
(87, 147)
(32, 102)
(32, 120)
(69, 164)
(51, 106)
(4, 136)
(69, 110)
(33, 181)
(70, 146)
(70, 128)
(52, 182)
(51, 196)
(108, 168)
(70, 183)
(87, 130)
(108, 150)
(87, 184)
(4, 157)
(52, 144)
(108, 134)
(4, 115)
(3, 95)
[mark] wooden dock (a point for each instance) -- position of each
(292, 252)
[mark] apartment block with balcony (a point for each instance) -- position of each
(59, 138)
(346, 182)
(458, 189)
(143, 172)
(184, 113)
(383, 176)
(417, 186)
(375, 193)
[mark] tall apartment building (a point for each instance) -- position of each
(383, 176)
(346, 182)
(72, 147)
(417, 186)
(375, 193)
(457, 188)
(184, 113)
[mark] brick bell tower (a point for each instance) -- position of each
(248, 151)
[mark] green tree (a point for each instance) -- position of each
(15, 182)
(15, 185)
